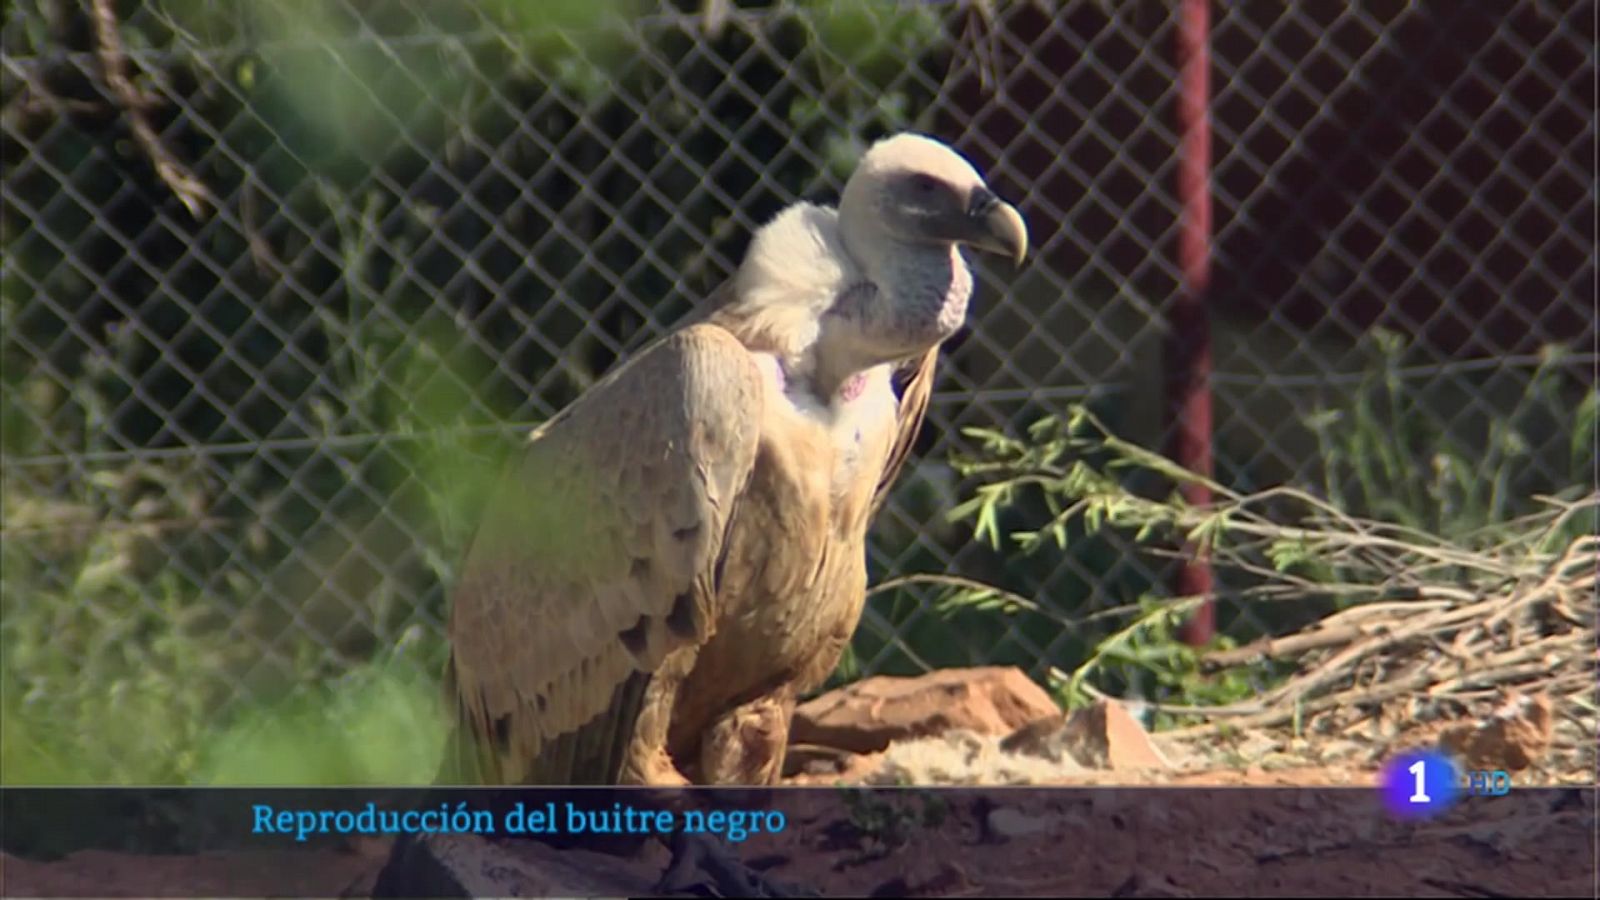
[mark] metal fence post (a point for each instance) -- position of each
(1188, 340)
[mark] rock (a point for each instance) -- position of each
(961, 757)
(815, 764)
(1514, 738)
(1102, 736)
(946, 880)
(1034, 738)
(1007, 822)
(867, 716)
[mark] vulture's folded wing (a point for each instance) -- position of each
(598, 555)
(916, 388)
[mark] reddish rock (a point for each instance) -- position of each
(815, 764)
(1101, 736)
(866, 716)
(1514, 738)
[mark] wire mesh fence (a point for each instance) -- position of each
(284, 281)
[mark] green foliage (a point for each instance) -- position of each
(1147, 655)
(389, 292)
(1079, 480)
(871, 42)
(381, 724)
(118, 668)
(1389, 456)
(146, 721)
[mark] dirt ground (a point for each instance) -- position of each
(1264, 812)
(1310, 830)
(1149, 842)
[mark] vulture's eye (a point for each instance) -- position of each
(924, 185)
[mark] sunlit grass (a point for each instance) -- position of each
(378, 724)
(374, 726)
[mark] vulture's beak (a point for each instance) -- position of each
(996, 226)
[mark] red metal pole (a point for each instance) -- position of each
(1188, 349)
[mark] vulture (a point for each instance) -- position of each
(678, 556)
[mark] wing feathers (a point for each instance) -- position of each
(597, 556)
(913, 409)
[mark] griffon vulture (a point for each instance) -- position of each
(680, 554)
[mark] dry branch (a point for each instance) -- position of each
(1536, 633)
(190, 190)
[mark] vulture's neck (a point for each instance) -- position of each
(912, 298)
(828, 306)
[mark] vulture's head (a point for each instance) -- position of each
(911, 189)
(910, 205)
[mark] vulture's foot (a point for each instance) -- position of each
(705, 866)
(747, 744)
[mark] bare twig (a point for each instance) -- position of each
(1273, 648)
(190, 190)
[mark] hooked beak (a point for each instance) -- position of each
(996, 226)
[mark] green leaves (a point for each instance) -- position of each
(376, 725)
(1288, 553)
(1404, 447)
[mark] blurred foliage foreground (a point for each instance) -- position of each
(241, 452)
(109, 681)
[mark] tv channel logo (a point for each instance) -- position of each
(1420, 784)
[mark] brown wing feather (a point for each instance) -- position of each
(912, 410)
(597, 557)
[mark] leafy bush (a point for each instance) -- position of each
(1080, 483)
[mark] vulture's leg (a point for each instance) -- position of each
(744, 746)
(747, 744)
(647, 761)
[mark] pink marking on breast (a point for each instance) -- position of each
(853, 386)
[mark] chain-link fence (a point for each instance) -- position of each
(284, 280)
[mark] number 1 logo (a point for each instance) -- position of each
(1420, 784)
(1420, 770)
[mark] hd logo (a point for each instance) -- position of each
(1424, 783)
(1486, 782)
